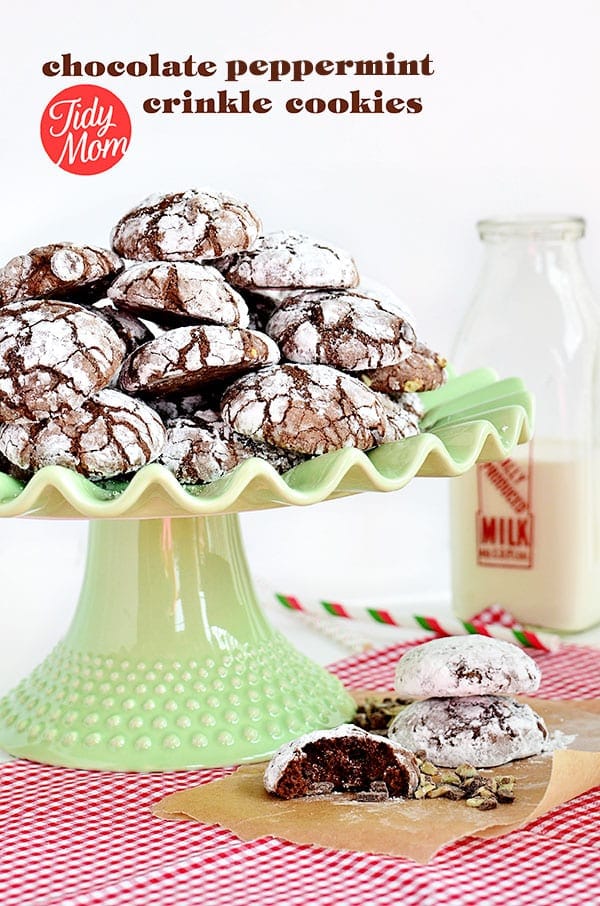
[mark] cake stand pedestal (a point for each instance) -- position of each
(169, 662)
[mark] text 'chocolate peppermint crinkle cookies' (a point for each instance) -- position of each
(199, 342)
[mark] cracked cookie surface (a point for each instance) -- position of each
(343, 329)
(185, 226)
(178, 290)
(402, 419)
(482, 730)
(466, 665)
(53, 355)
(60, 270)
(305, 408)
(188, 357)
(108, 434)
(203, 448)
(289, 260)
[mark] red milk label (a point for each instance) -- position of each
(505, 522)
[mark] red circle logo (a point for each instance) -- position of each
(85, 129)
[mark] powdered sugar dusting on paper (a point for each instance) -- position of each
(558, 740)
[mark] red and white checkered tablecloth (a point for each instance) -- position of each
(77, 838)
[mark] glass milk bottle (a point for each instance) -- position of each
(525, 533)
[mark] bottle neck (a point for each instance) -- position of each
(532, 296)
(532, 249)
(521, 272)
(533, 254)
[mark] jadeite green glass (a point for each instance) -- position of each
(169, 662)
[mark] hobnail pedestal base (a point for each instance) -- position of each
(169, 662)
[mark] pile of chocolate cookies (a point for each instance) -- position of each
(198, 343)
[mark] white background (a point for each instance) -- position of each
(510, 124)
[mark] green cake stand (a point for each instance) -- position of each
(170, 662)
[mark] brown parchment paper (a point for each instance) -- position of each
(415, 829)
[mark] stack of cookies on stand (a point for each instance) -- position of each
(198, 342)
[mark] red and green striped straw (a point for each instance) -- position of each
(444, 626)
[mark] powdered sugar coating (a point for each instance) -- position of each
(305, 408)
(203, 448)
(295, 749)
(401, 420)
(339, 328)
(466, 665)
(421, 370)
(484, 731)
(188, 357)
(289, 260)
(382, 293)
(179, 289)
(53, 355)
(109, 434)
(412, 402)
(56, 270)
(14, 471)
(185, 226)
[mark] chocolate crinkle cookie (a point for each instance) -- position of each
(53, 355)
(466, 665)
(109, 434)
(411, 402)
(484, 730)
(308, 409)
(188, 357)
(60, 270)
(203, 448)
(178, 291)
(345, 759)
(343, 329)
(132, 331)
(288, 260)
(420, 370)
(193, 225)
